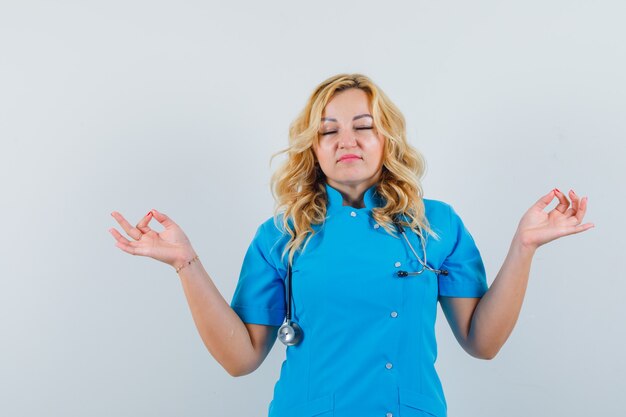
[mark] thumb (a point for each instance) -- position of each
(163, 219)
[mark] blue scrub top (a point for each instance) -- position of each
(369, 344)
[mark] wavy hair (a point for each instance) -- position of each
(298, 185)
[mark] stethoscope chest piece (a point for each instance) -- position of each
(290, 333)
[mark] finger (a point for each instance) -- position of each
(575, 204)
(122, 242)
(580, 228)
(563, 201)
(132, 248)
(130, 230)
(580, 214)
(163, 219)
(578, 209)
(143, 223)
(545, 200)
(117, 235)
(126, 226)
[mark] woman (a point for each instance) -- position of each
(364, 259)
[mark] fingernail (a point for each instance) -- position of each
(149, 213)
(557, 190)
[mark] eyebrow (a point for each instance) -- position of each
(360, 116)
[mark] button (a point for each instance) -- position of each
(389, 365)
(389, 415)
(397, 264)
(394, 314)
(353, 213)
(376, 226)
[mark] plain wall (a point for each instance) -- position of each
(178, 106)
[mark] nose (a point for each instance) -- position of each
(347, 140)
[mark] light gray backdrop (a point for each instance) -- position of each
(178, 106)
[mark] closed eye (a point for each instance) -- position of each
(330, 132)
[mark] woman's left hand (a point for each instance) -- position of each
(538, 227)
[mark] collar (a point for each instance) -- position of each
(335, 199)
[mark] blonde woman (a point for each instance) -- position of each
(352, 266)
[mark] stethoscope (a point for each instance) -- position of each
(290, 333)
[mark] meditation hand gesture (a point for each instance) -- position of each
(538, 227)
(170, 246)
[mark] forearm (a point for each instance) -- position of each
(497, 312)
(222, 331)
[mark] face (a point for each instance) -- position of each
(350, 150)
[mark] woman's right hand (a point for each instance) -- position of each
(170, 246)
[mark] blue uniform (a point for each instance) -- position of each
(369, 344)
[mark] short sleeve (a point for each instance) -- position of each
(466, 272)
(259, 297)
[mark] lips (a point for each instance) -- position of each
(348, 157)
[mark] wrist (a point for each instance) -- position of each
(524, 244)
(184, 259)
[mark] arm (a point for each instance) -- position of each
(482, 325)
(239, 347)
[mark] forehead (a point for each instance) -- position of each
(347, 103)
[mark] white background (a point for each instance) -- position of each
(178, 106)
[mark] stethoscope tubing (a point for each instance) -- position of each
(291, 334)
(424, 263)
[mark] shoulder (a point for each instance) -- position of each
(272, 227)
(435, 205)
(268, 244)
(271, 234)
(442, 217)
(437, 211)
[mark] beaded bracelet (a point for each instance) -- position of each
(185, 264)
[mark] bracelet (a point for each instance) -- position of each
(185, 264)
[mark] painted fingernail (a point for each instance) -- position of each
(557, 190)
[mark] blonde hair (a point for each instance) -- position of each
(298, 185)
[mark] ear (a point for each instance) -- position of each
(314, 148)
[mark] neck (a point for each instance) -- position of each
(352, 193)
